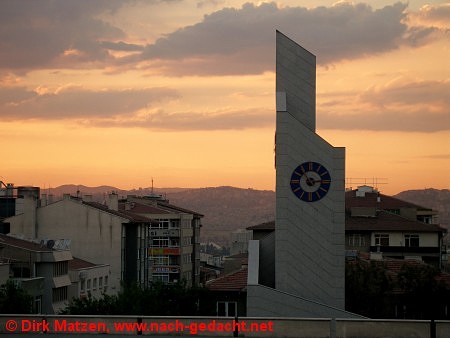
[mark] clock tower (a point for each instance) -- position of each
(310, 187)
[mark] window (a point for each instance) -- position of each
(187, 258)
(226, 309)
(162, 224)
(83, 285)
(174, 223)
(160, 260)
(94, 284)
(174, 242)
(60, 294)
(412, 240)
(356, 240)
(157, 277)
(382, 239)
(60, 268)
(88, 285)
(38, 304)
(106, 280)
(100, 282)
(160, 242)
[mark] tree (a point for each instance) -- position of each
(13, 299)
(423, 295)
(367, 286)
(157, 300)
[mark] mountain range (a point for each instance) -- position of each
(226, 208)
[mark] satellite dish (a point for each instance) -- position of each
(50, 244)
(57, 244)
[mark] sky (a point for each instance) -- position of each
(182, 92)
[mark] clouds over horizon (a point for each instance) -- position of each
(18, 103)
(72, 35)
(409, 106)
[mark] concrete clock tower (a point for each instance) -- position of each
(310, 187)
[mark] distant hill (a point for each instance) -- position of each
(431, 198)
(227, 208)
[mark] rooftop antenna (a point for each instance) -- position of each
(372, 181)
(152, 185)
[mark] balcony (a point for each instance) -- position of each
(164, 251)
(165, 232)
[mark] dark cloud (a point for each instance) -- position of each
(242, 39)
(35, 34)
(410, 107)
(189, 121)
(76, 103)
(71, 34)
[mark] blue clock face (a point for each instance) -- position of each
(310, 181)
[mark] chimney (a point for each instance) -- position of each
(113, 201)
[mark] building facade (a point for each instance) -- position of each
(300, 269)
(142, 240)
(387, 226)
(39, 269)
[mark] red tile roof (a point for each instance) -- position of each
(133, 217)
(235, 281)
(21, 243)
(386, 221)
(78, 263)
(370, 199)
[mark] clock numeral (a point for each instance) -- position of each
(295, 181)
(309, 196)
(324, 173)
(310, 166)
(322, 189)
(326, 181)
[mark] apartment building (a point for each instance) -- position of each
(39, 269)
(141, 239)
(389, 227)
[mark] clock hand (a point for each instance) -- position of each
(309, 181)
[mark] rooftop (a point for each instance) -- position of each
(369, 197)
(386, 221)
(234, 281)
(78, 263)
(23, 244)
(263, 226)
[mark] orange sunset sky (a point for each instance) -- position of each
(116, 92)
